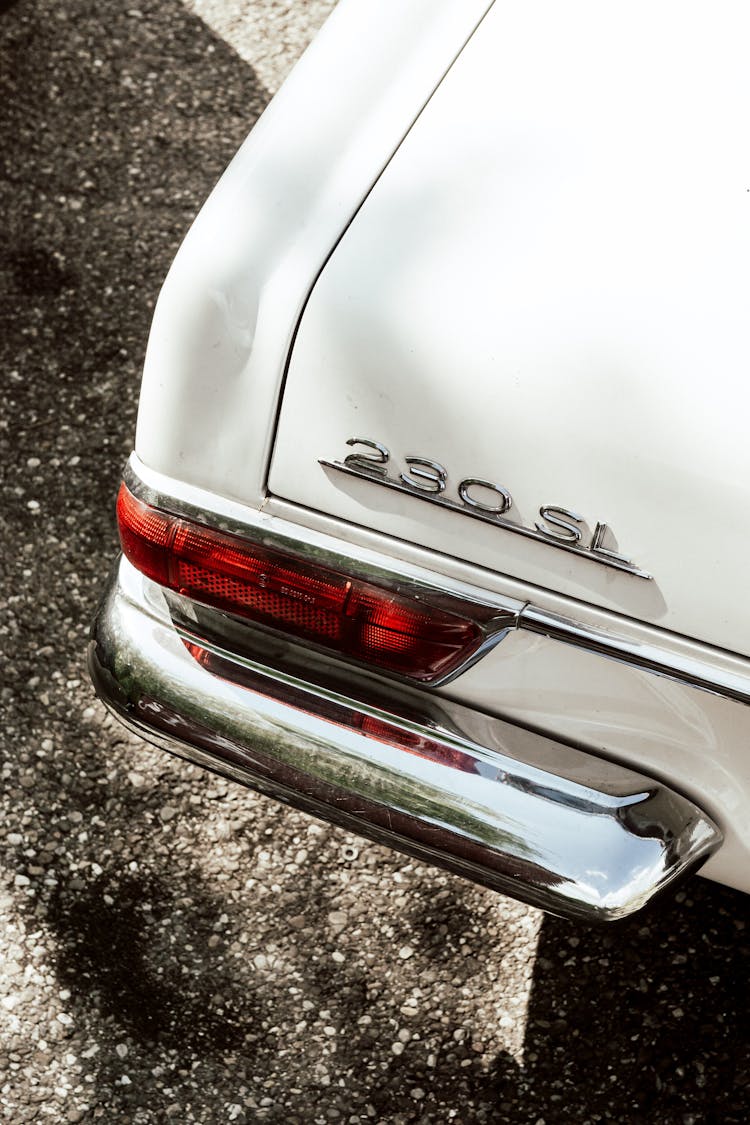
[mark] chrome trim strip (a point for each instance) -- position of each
(649, 658)
(519, 812)
(605, 558)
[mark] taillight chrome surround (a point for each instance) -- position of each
(347, 605)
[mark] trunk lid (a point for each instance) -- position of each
(547, 290)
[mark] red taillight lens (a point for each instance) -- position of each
(355, 618)
(145, 535)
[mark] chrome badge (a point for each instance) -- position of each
(482, 500)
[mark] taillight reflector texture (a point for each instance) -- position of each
(354, 618)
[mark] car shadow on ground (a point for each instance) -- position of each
(641, 1021)
(645, 1021)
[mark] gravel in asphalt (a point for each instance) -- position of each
(175, 948)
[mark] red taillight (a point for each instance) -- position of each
(355, 618)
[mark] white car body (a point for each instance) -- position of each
(509, 242)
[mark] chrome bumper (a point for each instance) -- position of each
(516, 811)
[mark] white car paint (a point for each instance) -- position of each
(518, 260)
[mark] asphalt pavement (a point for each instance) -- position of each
(175, 948)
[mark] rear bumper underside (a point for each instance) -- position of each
(490, 800)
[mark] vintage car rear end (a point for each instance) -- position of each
(436, 518)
